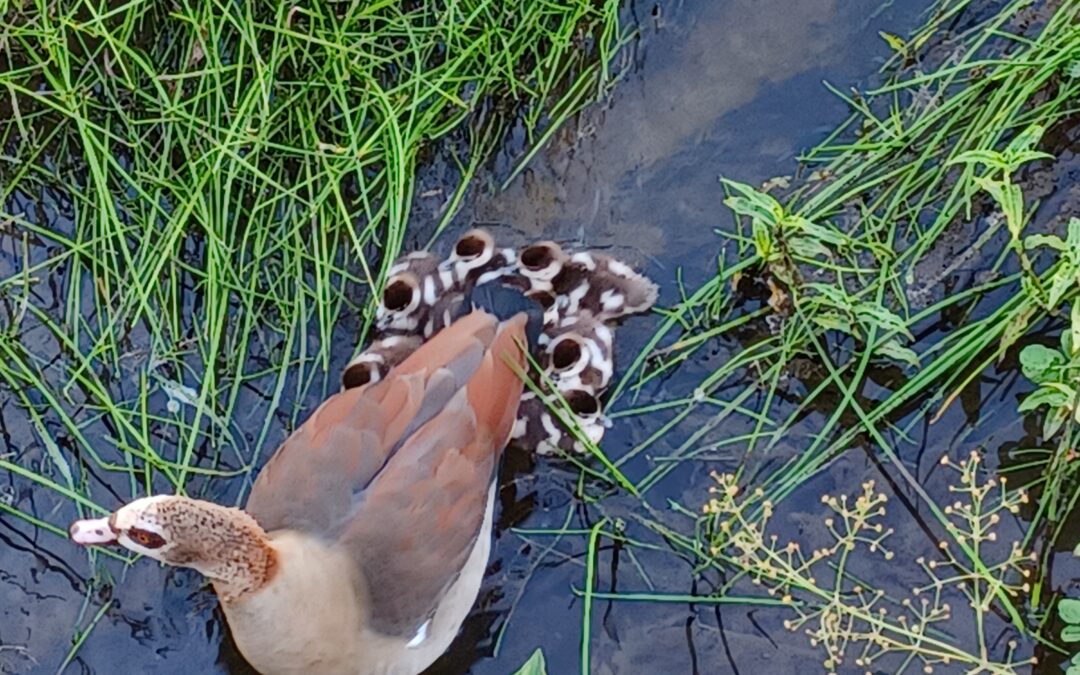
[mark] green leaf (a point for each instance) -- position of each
(763, 241)
(807, 247)
(892, 349)
(1069, 610)
(1074, 330)
(895, 42)
(1053, 422)
(990, 158)
(1051, 240)
(1009, 198)
(1025, 141)
(1073, 670)
(1027, 156)
(1072, 238)
(744, 207)
(833, 295)
(750, 202)
(1043, 396)
(883, 319)
(823, 233)
(1063, 282)
(534, 666)
(1070, 633)
(1039, 363)
(834, 321)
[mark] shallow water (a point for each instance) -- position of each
(715, 87)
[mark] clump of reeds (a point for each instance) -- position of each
(205, 194)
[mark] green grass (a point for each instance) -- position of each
(202, 197)
(223, 186)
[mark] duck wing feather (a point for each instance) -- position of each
(398, 473)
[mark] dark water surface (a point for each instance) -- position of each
(714, 87)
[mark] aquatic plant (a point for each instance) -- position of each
(848, 617)
(1068, 610)
(859, 340)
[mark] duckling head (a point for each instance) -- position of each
(541, 263)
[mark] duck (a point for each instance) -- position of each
(568, 284)
(476, 260)
(363, 543)
(418, 297)
(576, 361)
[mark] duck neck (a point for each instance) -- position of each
(235, 553)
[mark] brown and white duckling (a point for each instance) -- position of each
(423, 295)
(540, 430)
(578, 353)
(372, 364)
(412, 288)
(476, 260)
(584, 281)
(363, 543)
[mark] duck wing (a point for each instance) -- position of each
(398, 473)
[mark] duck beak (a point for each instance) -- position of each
(93, 532)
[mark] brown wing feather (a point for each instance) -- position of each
(419, 519)
(398, 473)
(313, 480)
(495, 390)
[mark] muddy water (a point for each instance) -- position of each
(713, 87)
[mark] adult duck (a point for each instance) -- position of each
(363, 544)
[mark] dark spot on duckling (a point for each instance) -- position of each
(537, 257)
(470, 246)
(565, 354)
(398, 295)
(545, 298)
(581, 402)
(356, 375)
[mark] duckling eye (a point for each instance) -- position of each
(145, 538)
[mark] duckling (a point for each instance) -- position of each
(540, 430)
(365, 537)
(375, 362)
(412, 289)
(423, 295)
(584, 281)
(475, 260)
(578, 353)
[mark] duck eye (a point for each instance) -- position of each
(145, 538)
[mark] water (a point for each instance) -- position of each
(715, 87)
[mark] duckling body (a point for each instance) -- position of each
(579, 294)
(584, 282)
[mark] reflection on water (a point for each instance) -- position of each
(729, 88)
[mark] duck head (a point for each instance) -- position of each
(225, 544)
(578, 353)
(375, 362)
